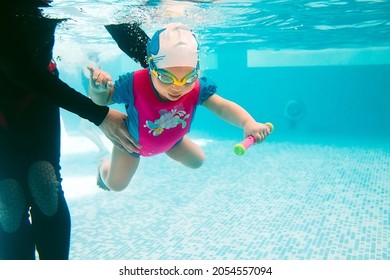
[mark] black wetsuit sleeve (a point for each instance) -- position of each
(24, 57)
(42, 83)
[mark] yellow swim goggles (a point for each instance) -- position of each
(168, 78)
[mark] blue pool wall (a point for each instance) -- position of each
(338, 100)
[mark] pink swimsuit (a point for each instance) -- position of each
(154, 123)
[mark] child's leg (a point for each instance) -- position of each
(117, 174)
(187, 153)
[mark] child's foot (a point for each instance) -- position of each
(99, 181)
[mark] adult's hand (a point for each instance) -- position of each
(114, 127)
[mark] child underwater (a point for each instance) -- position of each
(161, 102)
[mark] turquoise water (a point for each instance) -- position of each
(317, 188)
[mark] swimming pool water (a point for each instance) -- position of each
(318, 188)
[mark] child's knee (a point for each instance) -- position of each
(197, 162)
(116, 186)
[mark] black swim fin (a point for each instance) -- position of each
(131, 39)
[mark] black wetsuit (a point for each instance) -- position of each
(30, 98)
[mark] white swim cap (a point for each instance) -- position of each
(174, 45)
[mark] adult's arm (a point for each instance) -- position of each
(22, 70)
(26, 67)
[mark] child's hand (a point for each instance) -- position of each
(258, 130)
(100, 80)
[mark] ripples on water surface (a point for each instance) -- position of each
(277, 24)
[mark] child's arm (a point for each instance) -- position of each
(100, 87)
(237, 116)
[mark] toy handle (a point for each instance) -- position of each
(240, 148)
